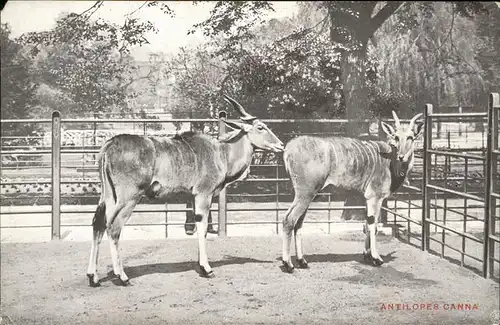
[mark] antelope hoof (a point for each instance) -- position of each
(92, 283)
(190, 229)
(211, 230)
(205, 274)
(287, 267)
(377, 261)
(124, 283)
(367, 257)
(302, 263)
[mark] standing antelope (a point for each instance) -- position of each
(132, 165)
(374, 168)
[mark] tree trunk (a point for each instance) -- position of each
(356, 104)
(352, 69)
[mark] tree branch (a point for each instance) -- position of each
(132, 80)
(95, 6)
(303, 32)
(383, 14)
(137, 9)
(451, 28)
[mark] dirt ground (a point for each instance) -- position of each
(45, 283)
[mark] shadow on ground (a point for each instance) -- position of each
(341, 258)
(368, 274)
(386, 276)
(179, 267)
(470, 265)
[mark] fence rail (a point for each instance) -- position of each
(490, 173)
(433, 170)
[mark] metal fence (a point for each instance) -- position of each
(69, 157)
(440, 160)
(458, 196)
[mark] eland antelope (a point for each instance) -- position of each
(131, 166)
(374, 168)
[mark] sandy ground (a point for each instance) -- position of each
(45, 283)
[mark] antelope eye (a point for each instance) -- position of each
(410, 138)
(260, 128)
(396, 138)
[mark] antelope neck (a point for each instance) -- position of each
(238, 155)
(398, 169)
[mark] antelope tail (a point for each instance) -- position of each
(99, 220)
(107, 183)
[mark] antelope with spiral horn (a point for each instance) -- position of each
(374, 168)
(131, 166)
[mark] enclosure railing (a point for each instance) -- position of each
(487, 162)
(492, 186)
(486, 198)
(56, 180)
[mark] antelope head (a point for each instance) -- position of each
(403, 137)
(258, 133)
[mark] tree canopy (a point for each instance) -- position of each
(88, 61)
(18, 87)
(332, 59)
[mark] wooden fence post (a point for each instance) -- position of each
(56, 175)
(426, 207)
(222, 228)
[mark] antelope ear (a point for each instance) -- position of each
(388, 129)
(238, 126)
(417, 131)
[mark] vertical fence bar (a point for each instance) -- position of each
(409, 215)
(426, 175)
(460, 111)
(395, 204)
(222, 229)
(495, 100)
(395, 228)
(383, 212)
(329, 213)
(83, 157)
(166, 220)
(466, 179)
(56, 175)
(445, 199)
(277, 196)
(493, 103)
(94, 133)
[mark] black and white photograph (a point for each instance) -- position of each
(250, 162)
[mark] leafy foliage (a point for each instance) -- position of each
(292, 78)
(434, 61)
(352, 24)
(488, 54)
(17, 85)
(88, 60)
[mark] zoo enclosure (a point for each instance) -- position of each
(478, 196)
(424, 165)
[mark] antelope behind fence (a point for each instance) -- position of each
(132, 165)
(374, 168)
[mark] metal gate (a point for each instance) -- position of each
(457, 214)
